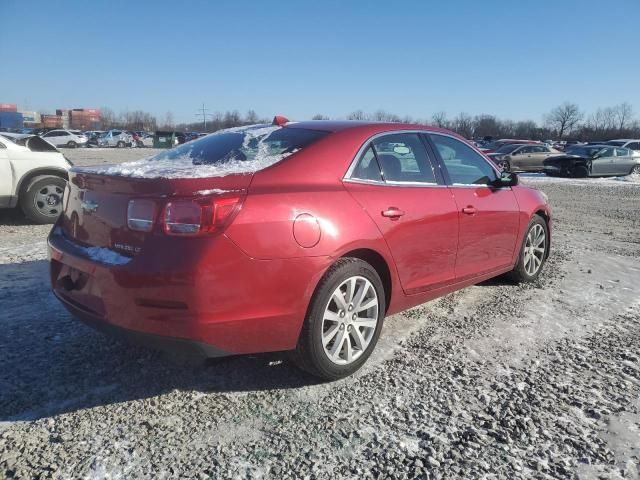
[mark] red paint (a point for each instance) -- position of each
(245, 286)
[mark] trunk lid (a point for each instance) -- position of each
(95, 212)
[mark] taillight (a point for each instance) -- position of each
(140, 215)
(199, 216)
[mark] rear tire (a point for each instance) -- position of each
(120, 144)
(41, 199)
(635, 170)
(72, 144)
(533, 252)
(339, 332)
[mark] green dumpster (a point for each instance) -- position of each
(164, 140)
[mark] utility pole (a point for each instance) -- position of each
(203, 114)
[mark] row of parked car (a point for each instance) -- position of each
(593, 159)
(119, 138)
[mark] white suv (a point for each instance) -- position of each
(631, 144)
(33, 174)
(65, 138)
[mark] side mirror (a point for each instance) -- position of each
(507, 179)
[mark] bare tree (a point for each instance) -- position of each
(463, 125)
(251, 117)
(439, 119)
(622, 114)
(357, 115)
(168, 120)
(319, 116)
(108, 118)
(564, 118)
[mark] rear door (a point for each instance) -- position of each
(395, 182)
(603, 163)
(54, 137)
(489, 217)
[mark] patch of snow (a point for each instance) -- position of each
(105, 255)
(533, 178)
(187, 164)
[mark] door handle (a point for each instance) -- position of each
(392, 212)
(469, 210)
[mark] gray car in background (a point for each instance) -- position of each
(593, 161)
(115, 138)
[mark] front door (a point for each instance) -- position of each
(489, 217)
(395, 182)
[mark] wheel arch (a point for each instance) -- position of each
(39, 172)
(547, 220)
(380, 265)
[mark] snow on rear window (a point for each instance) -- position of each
(234, 150)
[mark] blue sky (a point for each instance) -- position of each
(514, 59)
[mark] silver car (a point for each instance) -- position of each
(115, 138)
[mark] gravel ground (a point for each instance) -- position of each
(495, 381)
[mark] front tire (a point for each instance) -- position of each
(534, 251)
(343, 321)
(579, 172)
(41, 200)
(72, 144)
(635, 170)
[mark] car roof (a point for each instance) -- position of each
(624, 140)
(357, 125)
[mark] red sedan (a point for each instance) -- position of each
(291, 236)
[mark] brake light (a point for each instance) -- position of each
(201, 216)
(140, 215)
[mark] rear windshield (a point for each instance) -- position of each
(235, 150)
(263, 143)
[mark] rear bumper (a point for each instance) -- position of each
(157, 342)
(205, 297)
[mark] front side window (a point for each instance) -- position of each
(464, 165)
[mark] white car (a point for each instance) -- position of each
(115, 138)
(145, 140)
(33, 175)
(631, 144)
(65, 138)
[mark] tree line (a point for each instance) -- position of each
(564, 122)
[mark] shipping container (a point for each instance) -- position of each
(8, 107)
(11, 120)
(30, 117)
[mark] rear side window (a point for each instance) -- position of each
(463, 164)
(367, 167)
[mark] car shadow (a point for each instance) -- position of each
(53, 364)
(14, 216)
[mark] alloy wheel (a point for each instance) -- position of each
(48, 200)
(350, 320)
(534, 249)
(636, 170)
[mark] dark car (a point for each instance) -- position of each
(593, 161)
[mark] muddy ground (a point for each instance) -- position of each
(495, 381)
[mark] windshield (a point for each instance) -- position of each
(508, 148)
(583, 151)
(235, 150)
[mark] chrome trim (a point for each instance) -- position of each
(394, 184)
(366, 143)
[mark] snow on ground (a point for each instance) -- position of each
(494, 381)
